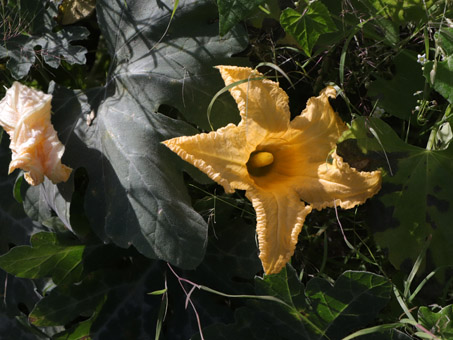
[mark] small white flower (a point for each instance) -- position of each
(378, 112)
(417, 93)
(417, 108)
(421, 58)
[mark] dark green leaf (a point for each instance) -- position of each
(229, 266)
(116, 300)
(415, 201)
(47, 257)
(136, 194)
(306, 27)
(65, 303)
(15, 227)
(232, 12)
(392, 334)
(12, 329)
(231, 253)
(353, 302)
(16, 293)
(279, 285)
(396, 95)
(332, 311)
(43, 202)
(20, 48)
(440, 76)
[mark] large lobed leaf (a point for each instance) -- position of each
(136, 194)
(415, 200)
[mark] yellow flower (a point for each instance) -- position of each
(280, 163)
(25, 116)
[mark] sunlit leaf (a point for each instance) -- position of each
(71, 11)
(47, 257)
(306, 27)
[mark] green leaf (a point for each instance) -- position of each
(306, 27)
(134, 180)
(439, 323)
(440, 76)
(353, 302)
(326, 312)
(41, 204)
(400, 11)
(283, 285)
(396, 96)
(65, 303)
(47, 257)
(232, 250)
(229, 266)
(444, 39)
(115, 299)
(232, 12)
(415, 201)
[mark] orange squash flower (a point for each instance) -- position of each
(36, 149)
(281, 164)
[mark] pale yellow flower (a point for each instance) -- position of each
(36, 149)
(279, 163)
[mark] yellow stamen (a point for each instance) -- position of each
(260, 159)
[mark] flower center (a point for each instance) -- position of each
(260, 163)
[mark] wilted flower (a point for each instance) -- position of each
(278, 162)
(25, 116)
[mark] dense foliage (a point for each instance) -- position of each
(139, 244)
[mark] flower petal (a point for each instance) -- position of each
(320, 125)
(259, 101)
(279, 220)
(221, 154)
(338, 184)
(25, 116)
